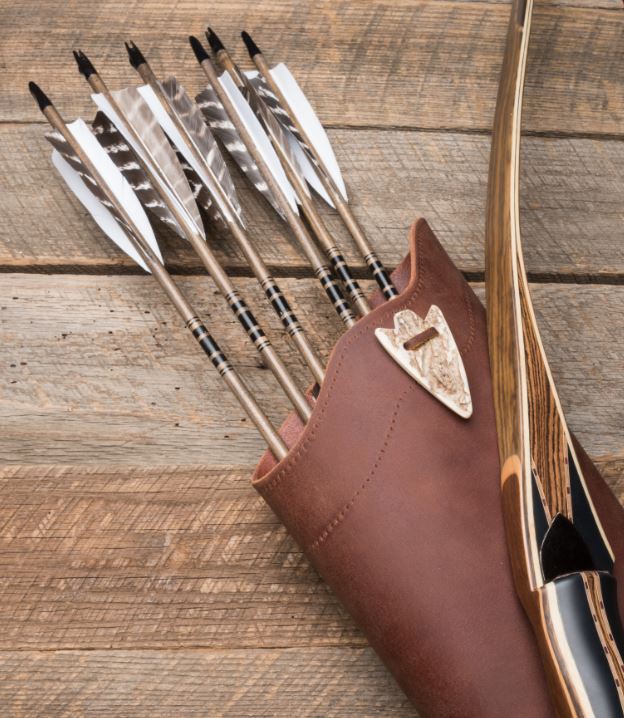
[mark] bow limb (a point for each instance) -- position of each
(561, 560)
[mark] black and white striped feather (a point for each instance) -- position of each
(200, 193)
(217, 118)
(273, 126)
(104, 192)
(310, 167)
(61, 145)
(126, 161)
(157, 147)
(272, 102)
(191, 118)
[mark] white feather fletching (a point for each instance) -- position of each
(276, 130)
(118, 187)
(309, 171)
(307, 118)
(102, 217)
(227, 132)
(259, 137)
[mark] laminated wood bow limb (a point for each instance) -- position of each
(561, 560)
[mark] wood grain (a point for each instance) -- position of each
(154, 558)
(171, 588)
(99, 369)
(425, 63)
(163, 557)
(309, 683)
(571, 197)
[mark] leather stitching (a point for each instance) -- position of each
(288, 467)
(339, 517)
(468, 303)
(291, 461)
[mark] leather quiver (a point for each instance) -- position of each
(396, 502)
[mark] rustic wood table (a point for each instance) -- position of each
(140, 575)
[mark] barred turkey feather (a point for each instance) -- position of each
(107, 194)
(157, 147)
(63, 147)
(200, 193)
(191, 118)
(272, 102)
(126, 161)
(308, 168)
(217, 118)
(317, 148)
(273, 127)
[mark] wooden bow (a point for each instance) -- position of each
(561, 560)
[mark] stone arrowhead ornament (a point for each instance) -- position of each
(435, 362)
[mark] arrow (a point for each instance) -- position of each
(283, 95)
(102, 189)
(229, 115)
(300, 173)
(136, 123)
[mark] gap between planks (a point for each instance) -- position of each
(280, 272)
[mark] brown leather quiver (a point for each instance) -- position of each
(396, 502)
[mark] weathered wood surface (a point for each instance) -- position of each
(309, 683)
(413, 63)
(99, 369)
(572, 193)
(171, 589)
(186, 557)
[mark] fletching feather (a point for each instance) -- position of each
(106, 199)
(273, 103)
(154, 147)
(308, 166)
(66, 151)
(309, 121)
(274, 128)
(198, 136)
(126, 161)
(200, 193)
(219, 122)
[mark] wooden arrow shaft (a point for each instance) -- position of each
(237, 304)
(315, 259)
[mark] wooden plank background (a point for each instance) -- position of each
(139, 573)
